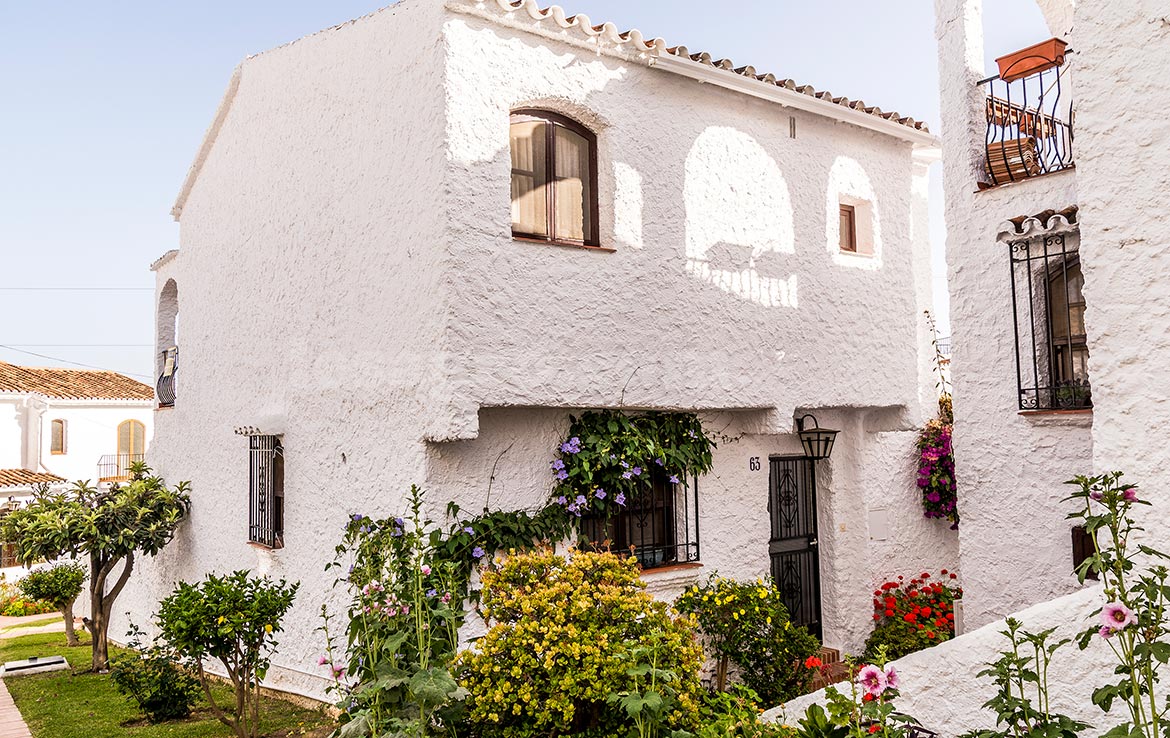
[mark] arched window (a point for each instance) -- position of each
(554, 179)
(59, 440)
(131, 438)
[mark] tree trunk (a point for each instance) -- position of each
(70, 633)
(102, 604)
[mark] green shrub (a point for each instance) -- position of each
(59, 586)
(747, 624)
(736, 714)
(151, 677)
(567, 634)
(234, 619)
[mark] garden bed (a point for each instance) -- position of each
(63, 705)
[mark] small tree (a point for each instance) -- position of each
(58, 585)
(233, 619)
(110, 526)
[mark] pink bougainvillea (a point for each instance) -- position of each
(936, 472)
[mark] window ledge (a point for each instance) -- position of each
(58, 453)
(1080, 417)
(672, 569)
(262, 547)
(563, 244)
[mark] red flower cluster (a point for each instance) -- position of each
(924, 603)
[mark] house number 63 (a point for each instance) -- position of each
(754, 463)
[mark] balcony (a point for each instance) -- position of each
(1029, 115)
(167, 385)
(116, 467)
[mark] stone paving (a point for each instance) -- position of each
(11, 723)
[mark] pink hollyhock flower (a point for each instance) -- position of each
(1130, 495)
(322, 661)
(892, 678)
(872, 680)
(1096, 495)
(426, 570)
(1117, 616)
(1106, 632)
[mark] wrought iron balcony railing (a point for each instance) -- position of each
(116, 467)
(167, 386)
(1029, 115)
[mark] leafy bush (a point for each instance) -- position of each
(912, 616)
(747, 623)
(150, 676)
(565, 635)
(404, 615)
(736, 714)
(234, 619)
(59, 586)
(15, 605)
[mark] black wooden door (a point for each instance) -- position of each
(792, 506)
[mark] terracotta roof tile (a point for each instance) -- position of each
(1046, 220)
(72, 384)
(26, 478)
(608, 32)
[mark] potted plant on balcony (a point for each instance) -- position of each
(1029, 61)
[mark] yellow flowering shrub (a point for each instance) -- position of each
(748, 625)
(558, 647)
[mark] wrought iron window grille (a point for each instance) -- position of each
(167, 386)
(659, 526)
(1029, 123)
(1048, 306)
(266, 492)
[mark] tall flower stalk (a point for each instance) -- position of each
(1133, 622)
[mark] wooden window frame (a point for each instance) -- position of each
(552, 120)
(851, 246)
(64, 448)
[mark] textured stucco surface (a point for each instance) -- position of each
(347, 278)
(939, 689)
(1015, 543)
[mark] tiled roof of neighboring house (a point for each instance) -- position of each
(1024, 225)
(609, 33)
(26, 478)
(72, 384)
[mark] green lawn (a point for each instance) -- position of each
(63, 705)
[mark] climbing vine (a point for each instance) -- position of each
(611, 456)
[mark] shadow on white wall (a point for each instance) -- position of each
(738, 218)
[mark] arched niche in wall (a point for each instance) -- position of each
(739, 224)
(851, 203)
(167, 321)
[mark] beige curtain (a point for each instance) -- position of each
(529, 209)
(571, 174)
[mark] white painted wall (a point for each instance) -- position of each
(1015, 543)
(347, 279)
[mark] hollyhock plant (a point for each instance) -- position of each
(868, 708)
(1135, 619)
(936, 472)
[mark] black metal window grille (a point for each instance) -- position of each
(168, 379)
(659, 526)
(1029, 124)
(266, 492)
(1048, 302)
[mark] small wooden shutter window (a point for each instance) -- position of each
(58, 437)
(1083, 548)
(848, 228)
(554, 179)
(131, 438)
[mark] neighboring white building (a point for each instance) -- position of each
(66, 425)
(1082, 228)
(365, 278)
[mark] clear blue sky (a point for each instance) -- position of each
(104, 105)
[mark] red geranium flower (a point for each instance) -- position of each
(812, 662)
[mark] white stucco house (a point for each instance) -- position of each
(413, 244)
(1055, 194)
(63, 425)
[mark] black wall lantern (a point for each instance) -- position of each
(817, 441)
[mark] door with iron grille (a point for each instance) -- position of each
(792, 507)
